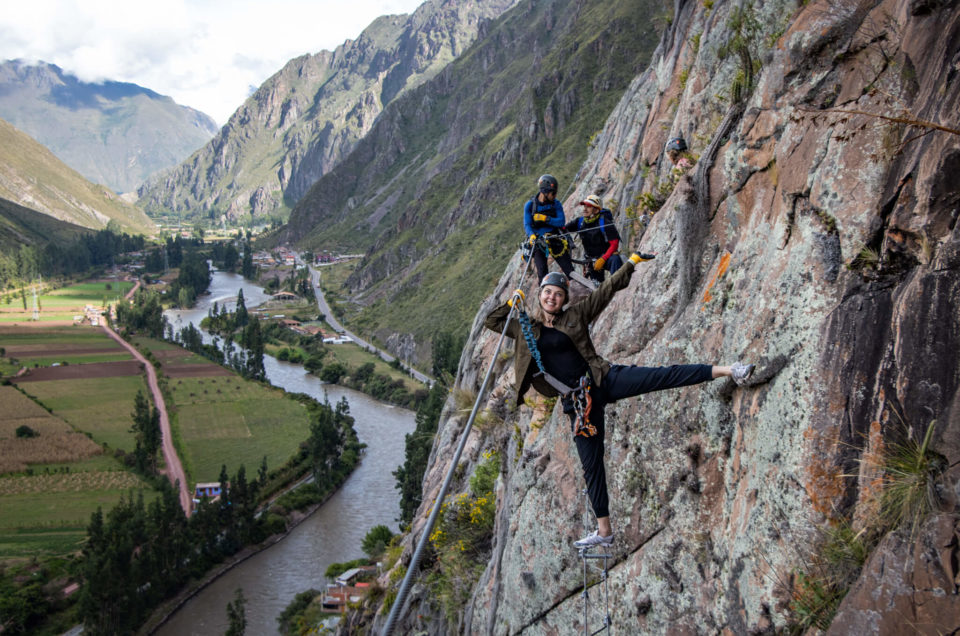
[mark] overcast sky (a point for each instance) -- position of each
(206, 54)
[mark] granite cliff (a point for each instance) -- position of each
(302, 121)
(817, 236)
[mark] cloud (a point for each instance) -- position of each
(205, 54)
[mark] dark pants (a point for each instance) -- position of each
(540, 262)
(611, 266)
(623, 382)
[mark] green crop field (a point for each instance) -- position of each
(353, 355)
(99, 406)
(64, 303)
(48, 514)
(52, 483)
(229, 421)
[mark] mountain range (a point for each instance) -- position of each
(113, 133)
(33, 177)
(434, 192)
(302, 121)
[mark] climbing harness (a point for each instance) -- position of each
(582, 405)
(604, 557)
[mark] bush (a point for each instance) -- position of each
(336, 569)
(25, 432)
(376, 540)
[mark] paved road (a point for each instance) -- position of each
(332, 320)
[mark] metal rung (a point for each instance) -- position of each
(595, 556)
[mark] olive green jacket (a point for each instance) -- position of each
(573, 321)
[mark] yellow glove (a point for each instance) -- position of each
(532, 239)
(540, 218)
(517, 293)
(636, 258)
(599, 263)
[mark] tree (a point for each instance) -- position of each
(376, 540)
(146, 428)
(247, 269)
(240, 316)
(417, 447)
(237, 614)
(253, 341)
(333, 372)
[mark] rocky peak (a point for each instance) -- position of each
(815, 235)
(304, 119)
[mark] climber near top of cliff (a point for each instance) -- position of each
(558, 341)
(542, 219)
(599, 237)
(678, 154)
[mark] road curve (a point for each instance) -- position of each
(174, 468)
(332, 320)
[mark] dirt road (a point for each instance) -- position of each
(174, 468)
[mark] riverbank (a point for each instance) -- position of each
(165, 611)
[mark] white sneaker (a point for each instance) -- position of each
(741, 372)
(593, 539)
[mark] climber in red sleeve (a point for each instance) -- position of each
(599, 238)
(556, 356)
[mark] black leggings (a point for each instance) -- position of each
(623, 382)
(540, 261)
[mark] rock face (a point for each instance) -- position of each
(114, 134)
(815, 236)
(304, 119)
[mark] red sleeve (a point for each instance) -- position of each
(614, 246)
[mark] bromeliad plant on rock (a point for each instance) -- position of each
(908, 477)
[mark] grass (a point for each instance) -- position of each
(99, 406)
(909, 472)
(39, 521)
(228, 421)
(354, 356)
(64, 303)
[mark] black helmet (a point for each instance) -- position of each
(547, 183)
(677, 143)
(558, 279)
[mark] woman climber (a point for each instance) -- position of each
(557, 342)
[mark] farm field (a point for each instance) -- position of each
(355, 356)
(65, 303)
(52, 481)
(99, 406)
(233, 422)
(36, 345)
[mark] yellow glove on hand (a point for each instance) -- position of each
(532, 239)
(540, 217)
(599, 263)
(636, 258)
(517, 293)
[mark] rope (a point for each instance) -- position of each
(527, 330)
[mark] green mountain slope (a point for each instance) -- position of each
(23, 226)
(305, 118)
(30, 175)
(114, 133)
(435, 191)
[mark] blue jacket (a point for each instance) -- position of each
(553, 211)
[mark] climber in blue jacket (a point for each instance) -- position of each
(542, 221)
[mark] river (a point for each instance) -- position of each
(271, 578)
